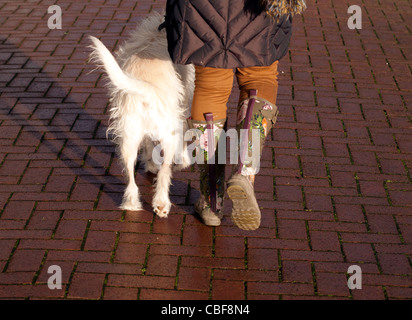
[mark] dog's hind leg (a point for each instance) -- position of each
(128, 150)
(161, 201)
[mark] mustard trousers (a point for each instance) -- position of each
(213, 87)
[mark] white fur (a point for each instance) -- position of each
(149, 96)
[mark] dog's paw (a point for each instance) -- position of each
(162, 210)
(131, 201)
(131, 205)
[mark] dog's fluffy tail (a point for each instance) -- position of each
(120, 81)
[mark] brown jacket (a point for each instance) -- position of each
(225, 33)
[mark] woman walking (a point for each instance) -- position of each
(222, 38)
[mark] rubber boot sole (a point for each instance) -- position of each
(245, 211)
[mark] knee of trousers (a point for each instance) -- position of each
(213, 87)
(212, 80)
(262, 79)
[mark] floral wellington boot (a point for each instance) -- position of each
(209, 206)
(255, 119)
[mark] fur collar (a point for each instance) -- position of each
(279, 8)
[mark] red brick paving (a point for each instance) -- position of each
(335, 186)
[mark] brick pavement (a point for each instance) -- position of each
(335, 185)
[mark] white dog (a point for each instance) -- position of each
(150, 99)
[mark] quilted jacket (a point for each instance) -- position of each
(225, 33)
